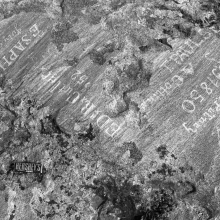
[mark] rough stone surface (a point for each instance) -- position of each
(122, 126)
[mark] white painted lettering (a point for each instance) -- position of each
(103, 120)
(206, 34)
(59, 71)
(19, 46)
(17, 29)
(87, 84)
(65, 89)
(168, 85)
(217, 75)
(13, 34)
(69, 90)
(202, 120)
(196, 125)
(26, 40)
(46, 76)
(76, 74)
(175, 58)
(53, 78)
(114, 129)
(177, 80)
(191, 45)
(170, 68)
(55, 86)
(157, 94)
(210, 58)
(152, 98)
(210, 117)
(87, 108)
(163, 91)
(204, 86)
(181, 53)
(185, 105)
(189, 129)
(198, 44)
(214, 83)
(13, 55)
(75, 98)
(94, 114)
(188, 69)
(217, 106)
(194, 95)
(6, 62)
(211, 110)
(34, 29)
(82, 79)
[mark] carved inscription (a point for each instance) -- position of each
(12, 55)
(185, 51)
(78, 78)
(197, 96)
(7, 39)
(207, 116)
(104, 122)
(176, 59)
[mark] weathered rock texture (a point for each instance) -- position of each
(129, 102)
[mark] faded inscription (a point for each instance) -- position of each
(12, 55)
(176, 59)
(13, 34)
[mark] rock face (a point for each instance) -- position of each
(67, 67)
